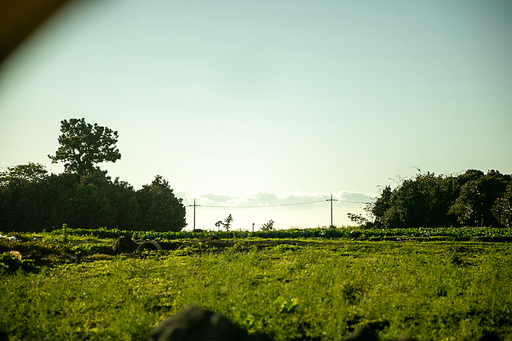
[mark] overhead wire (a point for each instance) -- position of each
(279, 205)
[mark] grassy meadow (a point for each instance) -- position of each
(291, 289)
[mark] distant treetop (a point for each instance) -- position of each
(82, 145)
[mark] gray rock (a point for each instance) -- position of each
(363, 333)
(124, 245)
(149, 245)
(197, 324)
(489, 337)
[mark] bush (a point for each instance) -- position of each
(10, 264)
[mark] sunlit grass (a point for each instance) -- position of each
(429, 291)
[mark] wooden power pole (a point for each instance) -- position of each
(194, 213)
(331, 200)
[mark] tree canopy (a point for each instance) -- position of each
(32, 200)
(30, 172)
(428, 200)
(161, 209)
(82, 145)
(226, 223)
(89, 201)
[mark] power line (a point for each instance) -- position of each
(275, 205)
(263, 206)
(281, 205)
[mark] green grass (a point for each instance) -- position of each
(349, 232)
(315, 290)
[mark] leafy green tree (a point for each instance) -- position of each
(359, 219)
(430, 200)
(403, 207)
(124, 199)
(60, 193)
(268, 226)
(84, 196)
(31, 200)
(92, 207)
(82, 145)
(22, 201)
(477, 198)
(469, 175)
(31, 172)
(226, 223)
(381, 205)
(160, 209)
(502, 209)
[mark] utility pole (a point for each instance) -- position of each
(331, 200)
(194, 213)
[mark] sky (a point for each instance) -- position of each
(272, 105)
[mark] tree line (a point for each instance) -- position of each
(84, 196)
(472, 198)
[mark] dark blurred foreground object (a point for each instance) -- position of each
(19, 18)
(490, 337)
(197, 324)
(363, 333)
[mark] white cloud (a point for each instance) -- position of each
(264, 199)
(297, 209)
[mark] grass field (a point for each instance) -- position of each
(294, 289)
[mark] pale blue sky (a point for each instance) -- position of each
(241, 98)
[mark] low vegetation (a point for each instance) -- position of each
(293, 288)
(475, 233)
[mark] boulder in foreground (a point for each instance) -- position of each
(197, 324)
(124, 245)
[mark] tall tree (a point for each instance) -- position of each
(20, 196)
(30, 172)
(160, 209)
(226, 224)
(502, 209)
(470, 199)
(477, 197)
(82, 145)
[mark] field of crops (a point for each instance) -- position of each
(315, 284)
(475, 233)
